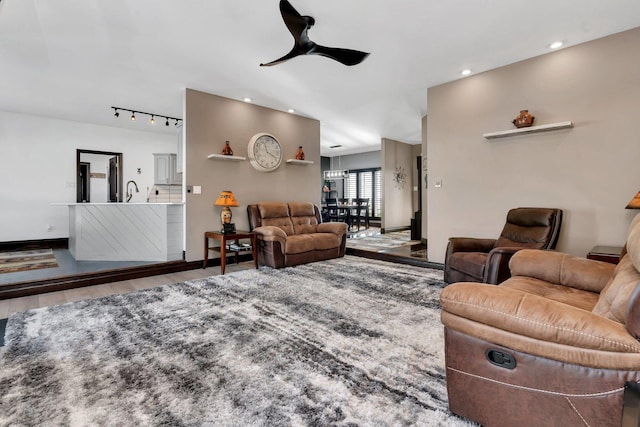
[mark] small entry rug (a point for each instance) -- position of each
(380, 242)
(10, 262)
(345, 342)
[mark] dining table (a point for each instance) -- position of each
(348, 210)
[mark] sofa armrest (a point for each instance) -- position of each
(497, 267)
(562, 269)
(536, 317)
(339, 228)
(470, 244)
(270, 233)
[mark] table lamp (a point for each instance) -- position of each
(634, 203)
(226, 199)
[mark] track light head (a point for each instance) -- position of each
(176, 122)
(133, 116)
(116, 114)
(166, 123)
(153, 120)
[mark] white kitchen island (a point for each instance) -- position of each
(126, 231)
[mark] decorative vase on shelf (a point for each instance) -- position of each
(300, 154)
(227, 151)
(523, 120)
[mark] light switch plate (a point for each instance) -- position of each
(197, 189)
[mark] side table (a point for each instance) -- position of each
(225, 239)
(605, 253)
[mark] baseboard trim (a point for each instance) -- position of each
(27, 245)
(21, 289)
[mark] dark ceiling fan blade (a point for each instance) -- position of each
(345, 56)
(294, 52)
(298, 26)
(296, 23)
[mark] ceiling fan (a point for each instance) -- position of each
(298, 26)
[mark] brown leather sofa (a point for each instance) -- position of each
(487, 260)
(293, 233)
(552, 345)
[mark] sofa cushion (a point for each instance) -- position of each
(276, 214)
(302, 209)
(472, 263)
(299, 243)
(565, 294)
(324, 241)
(303, 217)
(562, 269)
(528, 228)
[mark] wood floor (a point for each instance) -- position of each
(10, 306)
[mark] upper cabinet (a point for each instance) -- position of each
(165, 167)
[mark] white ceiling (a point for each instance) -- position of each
(74, 59)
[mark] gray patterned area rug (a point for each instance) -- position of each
(342, 342)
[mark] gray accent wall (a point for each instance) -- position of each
(211, 120)
(590, 171)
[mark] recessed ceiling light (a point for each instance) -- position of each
(556, 45)
(465, 72)
(291, 110)
(247, 99)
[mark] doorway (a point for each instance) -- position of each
(114, 179)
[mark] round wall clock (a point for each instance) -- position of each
(265, 152)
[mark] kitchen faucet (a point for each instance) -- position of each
(130, 193)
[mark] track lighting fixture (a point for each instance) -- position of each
(152, 120)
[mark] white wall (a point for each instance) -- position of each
(590, 171)
(39, 168)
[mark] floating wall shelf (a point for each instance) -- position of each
(531, 129)
(224, 157)
(300, 162)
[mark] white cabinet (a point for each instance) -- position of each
(165, 167)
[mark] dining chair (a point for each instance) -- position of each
(334, 213)
(361, 212)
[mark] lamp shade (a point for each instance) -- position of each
(226, 198)
(635, 202)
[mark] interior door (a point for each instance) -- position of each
(113, 179)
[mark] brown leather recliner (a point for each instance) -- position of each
(552, 345)
(487, 260)
(292, 233)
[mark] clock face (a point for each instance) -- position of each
(265, 152)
